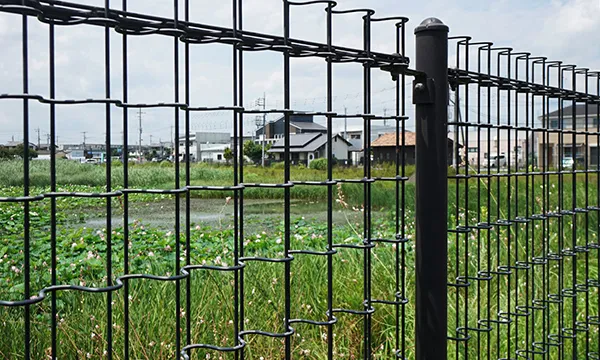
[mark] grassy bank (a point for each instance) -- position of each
(162, 176)
(82, 257)
(82, 260)
(155, 175)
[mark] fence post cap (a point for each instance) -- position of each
(431, 23)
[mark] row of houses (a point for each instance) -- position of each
(481, 147)
(308, 141)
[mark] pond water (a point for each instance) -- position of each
(216, 212)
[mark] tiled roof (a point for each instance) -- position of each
(389, 139)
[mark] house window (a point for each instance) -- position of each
(219, 157)
(473, 149)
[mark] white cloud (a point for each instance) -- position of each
(559, 29)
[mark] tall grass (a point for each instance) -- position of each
(162, 176)
(471, 256)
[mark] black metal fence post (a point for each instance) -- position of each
(431, 100)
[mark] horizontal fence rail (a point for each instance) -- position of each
(488, 251)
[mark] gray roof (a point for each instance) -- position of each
(579, 111)
(356, 144)
(305, 125)
(297, 142)
(303, 143)
(17, 143)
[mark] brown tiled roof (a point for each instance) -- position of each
(389, 139)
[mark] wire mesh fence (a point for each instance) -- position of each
(522, 200)
(523, 221)
(245, 280)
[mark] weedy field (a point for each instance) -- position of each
(81, 259)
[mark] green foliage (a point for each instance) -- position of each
(5, 153)
(228, 155)
(319, 164)
(278, 165)
(18, 151)
(253, 151)
(82, 255)
(150, 155)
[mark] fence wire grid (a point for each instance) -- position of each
(522, 221)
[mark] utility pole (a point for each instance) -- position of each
(172, 142)
(140, 135)
(84, 132)
(345, 123)
(150, 140)
(38, 134)
(263, 101)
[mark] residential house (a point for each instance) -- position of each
(299, 124)
(307, 147)
(14, 144)
(205, 146)
(356, 135)
(558, 146)
(384, 148)
(517, 147)
(81, 152)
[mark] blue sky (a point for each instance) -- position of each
(567, 30)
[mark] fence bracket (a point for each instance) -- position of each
(423, 90)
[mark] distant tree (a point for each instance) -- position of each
(19, 150)
(253, 151)
(228, 155)
(150, 155)
(5, 153)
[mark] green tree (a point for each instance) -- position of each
(253, 151)
(5, 153)
(149, 155)
(228, 155)
(319, 164)
(19, 150)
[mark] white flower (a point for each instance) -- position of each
(150, 253)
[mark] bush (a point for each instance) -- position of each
(278, 165)
(319, 164)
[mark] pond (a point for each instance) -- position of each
(218, 213)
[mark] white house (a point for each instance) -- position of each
(305, 148)
(517, 145)
(356, 136)
(205, 147)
